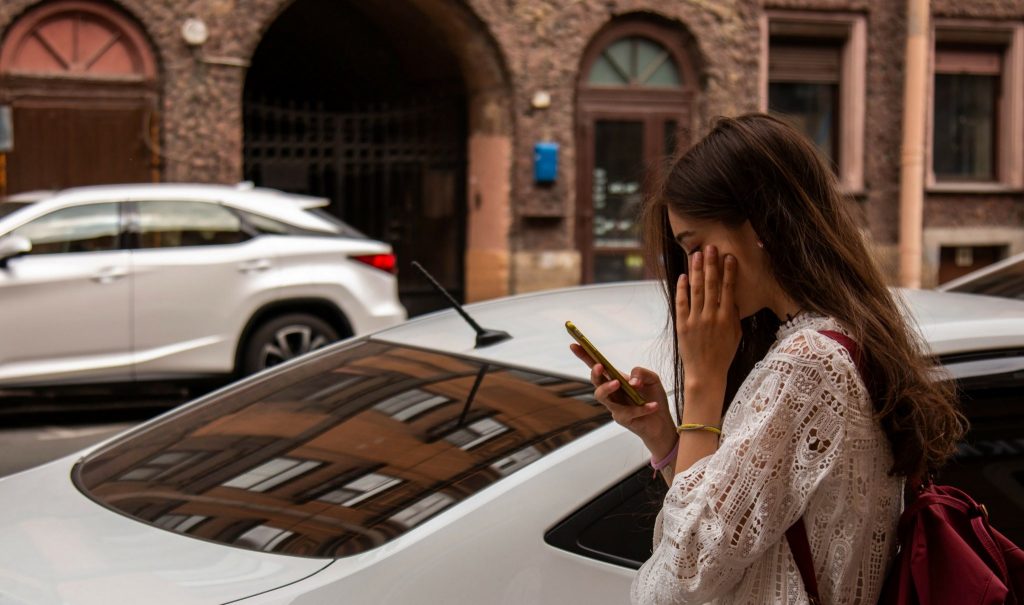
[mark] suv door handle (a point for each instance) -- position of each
(254, 266)
(109, 275)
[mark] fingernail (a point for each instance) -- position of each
(697, 257)
(712, 251)
(634, 381)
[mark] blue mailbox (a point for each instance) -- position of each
(545, 162)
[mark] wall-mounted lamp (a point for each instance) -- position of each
(541, 100)
(194, 32)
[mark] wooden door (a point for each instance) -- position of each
(63, 146)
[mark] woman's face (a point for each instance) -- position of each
(753, 278)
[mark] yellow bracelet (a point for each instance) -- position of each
(698, 427)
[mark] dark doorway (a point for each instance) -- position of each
(361, 103)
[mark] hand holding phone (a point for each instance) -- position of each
(612, 374)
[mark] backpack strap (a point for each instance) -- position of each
(796, 535)
(851, 347)
(801, 549)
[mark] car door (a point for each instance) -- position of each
(65, 308)
(199, 275)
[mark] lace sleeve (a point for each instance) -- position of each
(782, 436)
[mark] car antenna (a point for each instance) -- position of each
(484, 337)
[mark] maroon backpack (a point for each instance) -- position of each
(948, 553)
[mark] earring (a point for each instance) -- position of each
(760, 244)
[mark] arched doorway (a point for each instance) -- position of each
(81, 81)
(362, 103)
(636, 93)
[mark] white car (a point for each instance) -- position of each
(410, 466)
(127, 283)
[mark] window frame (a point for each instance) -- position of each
(1009, 119)
(850, 29)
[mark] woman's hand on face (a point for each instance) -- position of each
(652, 422)
(707, 322)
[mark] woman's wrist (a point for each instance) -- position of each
(662, 444)
(703, 401)
(659, 463)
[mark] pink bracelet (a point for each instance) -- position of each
(670, 458)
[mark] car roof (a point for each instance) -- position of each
(625, 321)
(288, 207)
(628, 323)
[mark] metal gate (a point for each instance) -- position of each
(395, 172)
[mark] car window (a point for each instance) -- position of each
(171, 224)
(989, 464)
(87, 228)
(343, 229)
(11, 207)
(265, 225)
(618, 526)
(341, 453)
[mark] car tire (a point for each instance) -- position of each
(283, 338)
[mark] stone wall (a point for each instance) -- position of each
(514, 48)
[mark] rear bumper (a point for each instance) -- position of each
(380, 316)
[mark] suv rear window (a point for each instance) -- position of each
(341, 453)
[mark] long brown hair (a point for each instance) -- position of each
(757, 168)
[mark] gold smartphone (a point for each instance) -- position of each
(609, 369)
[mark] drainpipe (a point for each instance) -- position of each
(915, 111)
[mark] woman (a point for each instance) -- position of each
(760, 257)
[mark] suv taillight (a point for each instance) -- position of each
(384, 262)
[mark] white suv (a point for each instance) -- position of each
(172, 281)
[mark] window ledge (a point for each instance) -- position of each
(979, 188)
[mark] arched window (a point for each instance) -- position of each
(636, 90)
(76, 39)
(635, 61)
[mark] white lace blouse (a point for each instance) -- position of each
(798, 439)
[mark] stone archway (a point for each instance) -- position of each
(81, 79)
(399, 113)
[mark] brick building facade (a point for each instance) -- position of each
(418, 118)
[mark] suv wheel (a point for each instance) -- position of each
(284, 338)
